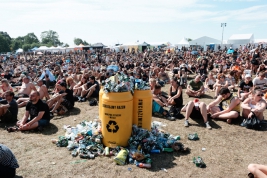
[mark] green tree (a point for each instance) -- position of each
(85, 42)
(4, 46)
(15, 45)
(66, 45)
(78, 41)
(30, 38)
(50, 37)
(6, 37)
(35, 45)
(189, 39)
(26, 47)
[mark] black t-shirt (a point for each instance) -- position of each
(34, 109)
(69, 96)
(13, 107)
(89, 84)
(8, 76)
(244, 86)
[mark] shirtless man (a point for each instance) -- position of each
(25, 89)
(42, 91)
(163, 76)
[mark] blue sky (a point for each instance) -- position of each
(121, 21)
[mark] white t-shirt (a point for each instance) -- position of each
(259, 83)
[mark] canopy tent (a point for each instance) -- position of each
(205, 40)
(19, 50)
(42, 48)
(33, 49)
(98, 45)
(260, 41)
(183, 42)
(239, 39)
(130, 46)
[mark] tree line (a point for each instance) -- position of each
(48, 38)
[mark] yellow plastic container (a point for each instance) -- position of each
(142, 108)
(101, 92)
(117, 118)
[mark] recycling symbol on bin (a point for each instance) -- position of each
(112, 126)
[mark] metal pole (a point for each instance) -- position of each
(222, 25)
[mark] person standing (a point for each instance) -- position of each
(8, 162)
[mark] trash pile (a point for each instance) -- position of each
(85, 141)
(122, 83)
(118, 83)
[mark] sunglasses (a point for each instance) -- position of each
(260, 95)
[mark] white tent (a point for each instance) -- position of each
(183, 42)
(19, 50)
(42, 48)
(239, 39)
(205, 40)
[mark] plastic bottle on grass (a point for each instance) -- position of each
(143, 165)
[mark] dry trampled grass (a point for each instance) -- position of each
(229, 150)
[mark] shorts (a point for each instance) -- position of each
(95, 94)
(196, 114)
(7, 117)
(67, 104)
(210, 87)
(43, 123)
(21, 95)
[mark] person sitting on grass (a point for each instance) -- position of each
(245, 88)
(195, 88)
(36, 115)
(255, 104)
(160, 101)
(25, 89)
(229, 106)
(5, 87)
(90, 89)
(42, 91)
(175, 93)
(220, 83)
(209, 82)
(64, 100)
(8, 162)
(8, 108)
(195, 109)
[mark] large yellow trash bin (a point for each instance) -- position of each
(101, 92)
(142, 108)
(117, 118)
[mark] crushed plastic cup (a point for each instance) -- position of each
(163, 169)
(157, 124)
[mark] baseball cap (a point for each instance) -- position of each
(247, 76)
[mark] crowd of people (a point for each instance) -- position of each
(51, 83)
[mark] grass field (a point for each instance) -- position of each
(229, 150)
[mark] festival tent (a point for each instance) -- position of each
(33, 49)
(183, 42)
(130, 46)
(19, 50)
(205, 40)
(240, 39)
(261, 41)
(98, 45)
(42, 48)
